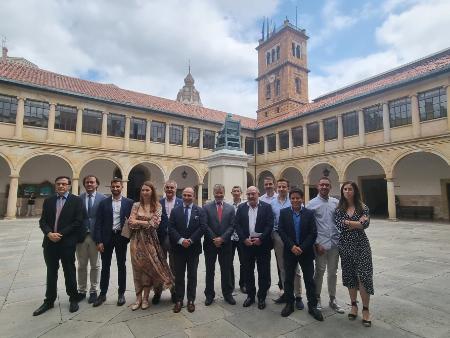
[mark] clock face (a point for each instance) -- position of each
(271, 78)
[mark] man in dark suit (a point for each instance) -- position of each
(297, 229)
(86, 248)
(111, 216)
(61, 222)
(168, 203)
(186, 226)
(253, 224)
(217, 242)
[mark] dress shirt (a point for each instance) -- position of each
(180, 241)
(297, 225)
(268, 199)
(234, 236)
(169, 205)
(60, 201)
(277, 205)
(252, 214)
(327, 233)
(86, 200)
(116, 205)
(63, 200)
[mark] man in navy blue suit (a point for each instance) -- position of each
(186, 227)
(168, 203)
(297, 229)
(111, 216)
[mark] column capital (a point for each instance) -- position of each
(53, 103)
(413, 95)
(80, 108)
(389, 179)
(21, 98)
(76, 178)
(14, 176)
(127, 117)
(104, 113)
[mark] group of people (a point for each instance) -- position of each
(165, 237)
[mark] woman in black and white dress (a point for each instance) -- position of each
(352, 217)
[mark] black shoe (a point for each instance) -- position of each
(249, 301)
(317, 315)
(92, 297)
(121, 299)
(81, 296)
(73, 307)
(229, 299)
(156, 298)
(261, 304)
(100, 300)
(280, 300)
(243, 289)
(287, 310)
(43, 308)
(299, 303)
(209, 301)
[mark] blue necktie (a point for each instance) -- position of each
(297, 228)
(89, 210)
(186, 216)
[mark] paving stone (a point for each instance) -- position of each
(219, 328)
(205, 314)
(112, 331)
(92, 314)
(72, 328)
(158, 324)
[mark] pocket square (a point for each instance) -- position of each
(196, 217)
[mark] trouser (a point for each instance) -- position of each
(307, 264)
(211, 254)
(87, 253)
(30, 209)
(278, 247)
(328, 261)
(183, 261)
(235, 245)
(118, 244)
(168, 253)
(261, 256)
(53, 253)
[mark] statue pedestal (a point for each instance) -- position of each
(227, 167)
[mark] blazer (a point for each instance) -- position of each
(308, 230)
(164, 225)
(104, 219)
(264, 223)
(89, 223)
(194, 232)
(214, 228)
(69, 223)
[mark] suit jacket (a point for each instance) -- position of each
(104, 219)
(89, 222)
(264, 223)
(194, 232)
(163, 228)
(308, 231)
(69, 223)
(214, 228)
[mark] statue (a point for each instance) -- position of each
(229, 136)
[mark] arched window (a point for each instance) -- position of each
(277, 87)
(268, 93)
(268, 58)
(278, 52)
(273, 55)
(297, 51)
(298, 87)
(293, 49)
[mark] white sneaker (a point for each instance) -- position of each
(319, 305)
(335, 306)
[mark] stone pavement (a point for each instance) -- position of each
(412, 295)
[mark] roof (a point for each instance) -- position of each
(39, 78)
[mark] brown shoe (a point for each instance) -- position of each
(177, 307)
(190, 306)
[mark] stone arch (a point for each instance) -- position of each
(261, 176)
(26, 159)
(185, 175)
(142, 172)
(250, 180)
(402, 155)
(104, 158)
(104, 168)
(6, 169)
(349, 163)
(316, 171)
(293, 175)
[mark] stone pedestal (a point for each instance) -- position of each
(227, 167)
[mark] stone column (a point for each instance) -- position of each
(185, 139)
(265, 148)
(104, 129)
(448, 106)
(79, 128)
(200, 144)
(148, 129)
(305, 139)
(124, 186)
(340, 132)
(386, 123)
(291, 145)
(321, 137)
(11, 208)
(75, 185)
(306, 193)
(167, 144)
(51, 122)
(200, 195)
(361, 128)
(391, 199)
(126, 139)
(415, 117)
(19, 117)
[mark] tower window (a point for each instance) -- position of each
(297, 51)
(273, 55)
(298, 85)
(268, 58)
(293, 49)
(278, 52)
(268, 94)
(277, 87)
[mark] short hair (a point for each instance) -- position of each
(253, 187)
(61, 177)
(296, 190)
(218, 186)
(324, 178)
(237, 187)
(116, 180)
(283, 180)
(171, 182)
(269, 178)
(193, 190)
(87, 176)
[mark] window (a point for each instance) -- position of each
(313, 132)
(65, 118)
(92, 121)
(350, 123)
(373, 118)
(36, 113)
(277, 87)
(284, 139)
(298, 87)
(250, 146)
(297, 137)
(260, 145)
(8, 109)
(330, 128)
(400, 112)
(268, 94)
(268, 58)
(116, 125)
(193, 137)
(271, 142)
(138, 128)
(433, 104)
(297, 52)
(209, 139)
(176, 134)
(293, 49)
(158, 132)
(273, 55)
(278, 53)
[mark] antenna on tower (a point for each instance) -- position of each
(189, 65)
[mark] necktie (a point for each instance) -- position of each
(186, 216)
(59, 206)
(219, 211)
(89, 210)
(297, 228)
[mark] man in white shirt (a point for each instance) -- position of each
(269, 187)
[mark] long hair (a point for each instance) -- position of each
(343, 204)
(154, 201)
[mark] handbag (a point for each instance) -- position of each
(126, 231)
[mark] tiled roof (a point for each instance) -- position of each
(20, 73)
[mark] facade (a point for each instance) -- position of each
(390, 133)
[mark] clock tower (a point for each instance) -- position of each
(282, 71)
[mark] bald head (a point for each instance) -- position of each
(188, 195)
(252, 195)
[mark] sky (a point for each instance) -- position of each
(145, 45)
